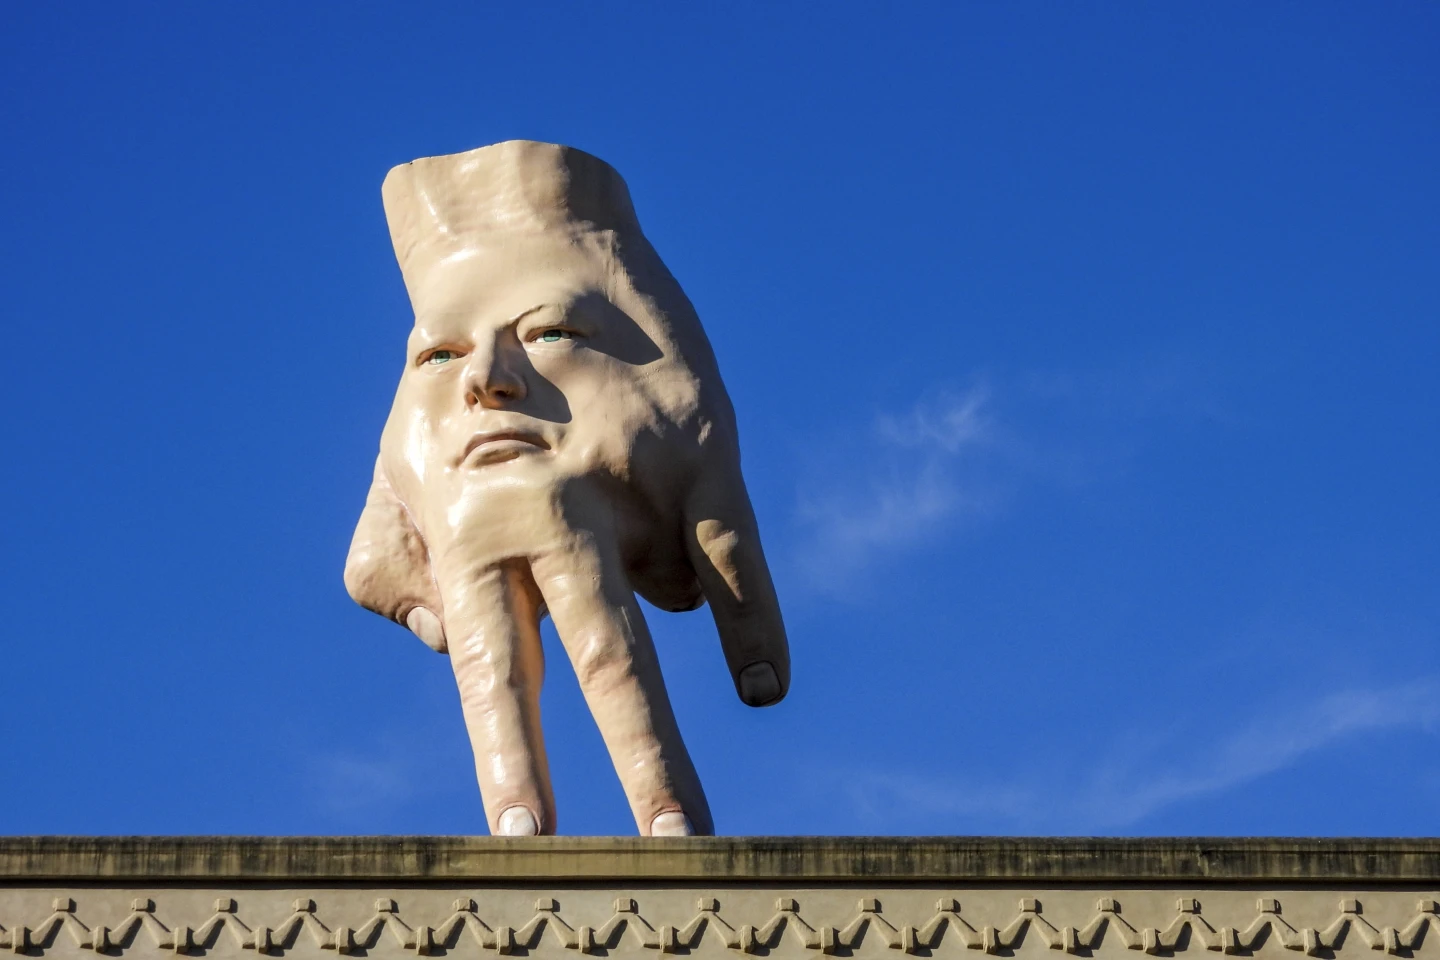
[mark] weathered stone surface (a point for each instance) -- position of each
(729, 859)
(796, 897)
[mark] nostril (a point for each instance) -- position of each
(504, 391)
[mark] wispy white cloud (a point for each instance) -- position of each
(1142, 781)
(910, 476)
(909, 485)
(947, 422)
(1270, 744)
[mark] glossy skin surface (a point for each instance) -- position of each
(560, 440)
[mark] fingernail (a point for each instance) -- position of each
(672, 824)
(426, 626)
(759, 684)
(518, 822)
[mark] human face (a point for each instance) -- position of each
(520, 369)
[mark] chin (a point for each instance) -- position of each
(509, 470)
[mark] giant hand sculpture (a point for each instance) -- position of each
(560, 441)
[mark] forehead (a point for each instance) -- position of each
(493, 282)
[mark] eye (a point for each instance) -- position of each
(555, 334)
(442, 356)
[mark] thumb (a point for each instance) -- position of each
(388, 568)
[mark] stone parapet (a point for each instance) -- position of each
(791, 897)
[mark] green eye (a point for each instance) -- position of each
(554, 335)
(441, 356)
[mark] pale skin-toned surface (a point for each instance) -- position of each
(560, 440)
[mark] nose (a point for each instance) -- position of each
(494, 373)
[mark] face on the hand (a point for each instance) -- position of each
(521, 370)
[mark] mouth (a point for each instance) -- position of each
(497, 446)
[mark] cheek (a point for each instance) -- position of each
(588, 379)
(433, 401)
(615, 415)
(417, 423)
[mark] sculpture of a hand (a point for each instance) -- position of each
(560, 440)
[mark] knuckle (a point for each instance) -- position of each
(599, 663)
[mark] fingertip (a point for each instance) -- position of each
(672, 824)
(518, 822)
(426, 626)
(759, 684)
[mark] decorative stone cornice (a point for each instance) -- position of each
(786, 931)
(782, 898)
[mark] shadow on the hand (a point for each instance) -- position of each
(616, 333)
(543, 400)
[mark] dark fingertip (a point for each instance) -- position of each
(759, 685)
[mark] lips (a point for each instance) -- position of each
(494, 446)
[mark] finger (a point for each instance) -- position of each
(492, 619)
(388, 569)
(724, 544)
(604, 632)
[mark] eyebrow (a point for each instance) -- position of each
(526, 312)
(513, 320)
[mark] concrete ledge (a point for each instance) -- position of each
(719, 860)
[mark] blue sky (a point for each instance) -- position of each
(1085, 357)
